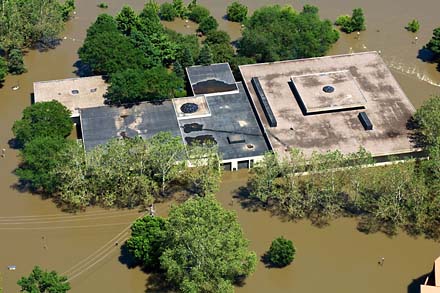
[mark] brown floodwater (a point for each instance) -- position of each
(333, 259)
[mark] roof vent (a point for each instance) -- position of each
(236, 138)
(328, 89)
(365, 121)
(250, 146)
(93, 90)
(75, 92)
(189, 108)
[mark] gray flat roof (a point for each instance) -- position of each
(211, 79)
(231, 119)
(386, 105)
(74, 93)
(100, 124)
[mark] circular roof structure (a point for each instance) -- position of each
(328, 89)
(189, 108)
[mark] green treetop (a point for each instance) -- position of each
(413, 26)
(434, 43)
(281, 252)
(43, 281)
(205, 57)
(428, 120)
(236, 12)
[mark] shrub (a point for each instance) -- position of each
(103, 5)
(167, 12)
(281, 252)
(207, 25)
(413, 26)
(354, 23)
(236, 12)
(198, 13)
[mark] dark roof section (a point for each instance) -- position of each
(101, 124)
(264, 102)
(211, 79)
(231, 118)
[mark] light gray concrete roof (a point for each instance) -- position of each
(385, 104)
(74, 93)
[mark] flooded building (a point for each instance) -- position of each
(220, 113)
(341, 102)
(432, 282)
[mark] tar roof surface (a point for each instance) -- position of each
(90, 93)
(230, 114)
(101, 124)
(386, 105)
(215, 78)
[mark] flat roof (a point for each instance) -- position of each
(328, 91)
(386, 105)
(100, 124)
(74, 93)
(211, 79)
(232, 124)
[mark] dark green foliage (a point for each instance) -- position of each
(45, 119)
(186, 58)
(354, 23)
(236, 61)
(222, 52)
(147, 241)
(205, 57)
(217, 37)
(187, 47)
(134, 85)
(278, 33)
(281, 252)
(197, 13)
(106, 50)
(310, 9)
(127, 20)
(434, 43)
(205, 247)
(43, 281)
(3, 69)
(428, 121)
(236, 12)
(103, 5)
(40, 158)
(413, 26)
(67, 9)
(15, 62)
(180, 8)
(168, 12)
(150, 20)
(207, 24)
(178, 70)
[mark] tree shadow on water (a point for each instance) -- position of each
(426, 55)
(247, 202)
(126, 258)
(156, 283)
(82, 69)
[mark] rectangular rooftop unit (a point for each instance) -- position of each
(236, 138)
(365, 121)
(264, 102)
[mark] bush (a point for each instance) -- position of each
(413, 26)
(103, 5)
(3, 69)
(281, 252)
(15, 62)
(354, 23)
(236, 12)
(198, 13)
(217, 37)
(167, 12)
(434, 43)
(208, 24)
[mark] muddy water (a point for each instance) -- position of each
(334, 259)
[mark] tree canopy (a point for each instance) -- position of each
(236, 12)
(428, 119)
(205, 248)
(277, 33)
(355, 22)
(434, 43)
(44, 281)
(47, 119)
(281, 252)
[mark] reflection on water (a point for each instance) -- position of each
(334, 259)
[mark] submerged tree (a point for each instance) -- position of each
(44, 281)
(236, 12)
(281, 252)
(205, 247)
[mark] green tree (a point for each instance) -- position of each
(310, 9)
(3, 69)
(236, 12)
(149, 18)
(45, 119)
(207, 24)
(180, 8)
(40, 157)
(67, 9)
(168, 12)
(178, 70)
(434, 43)
(15, 62)
(281, 252)
(413, 26)
(127, 20)
(135, 85)
(277, 33)
(358, 19)
(197, 13)
(222, 52)
(44, 281)
(205, 57)
(344, 21)
(428, 121)
(147, 241)
(186, 58)
(217, 37)
(263, 179)
(206, 250)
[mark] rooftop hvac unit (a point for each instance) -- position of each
(365, 121)
(236, 138)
